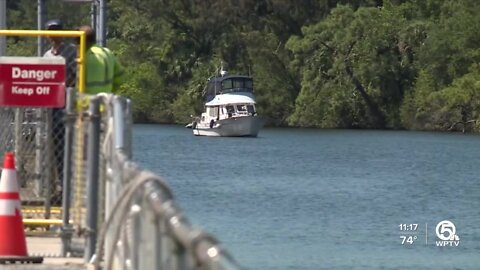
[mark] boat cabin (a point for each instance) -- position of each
(228, 84)
(229, 108)
(228, 111)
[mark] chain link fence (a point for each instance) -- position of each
(36, 135)
(78, 181)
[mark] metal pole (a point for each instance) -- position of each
(128, 131)
(49, 149)
(102, 24)
(19, 143)
(67, 230)
(39, 142)
(93, 11)
(39, 152)
(93, 154)
(119, 124)
(113, 185)
(40, 22)
(50, 166)
(3, 25)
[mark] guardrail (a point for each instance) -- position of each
(111, 211)
(143, 228)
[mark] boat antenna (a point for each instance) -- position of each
(215, 83)
(222, 71)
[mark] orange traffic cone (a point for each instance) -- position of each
(13, 247)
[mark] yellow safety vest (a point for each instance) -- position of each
(103, 72)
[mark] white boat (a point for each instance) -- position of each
(230, 108)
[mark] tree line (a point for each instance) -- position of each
(391, 64)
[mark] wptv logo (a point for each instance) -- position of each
(446, 232)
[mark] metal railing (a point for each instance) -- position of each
(111, 211)
(142, 227)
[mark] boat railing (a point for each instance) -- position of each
(241, 113)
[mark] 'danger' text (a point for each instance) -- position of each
(38, 75)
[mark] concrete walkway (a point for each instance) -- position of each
(49, 248)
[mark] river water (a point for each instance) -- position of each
(326, 199)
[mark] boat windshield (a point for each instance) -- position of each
(250, 109)
(241, 108)
(237, 85)
(228, 84)
(230, 109)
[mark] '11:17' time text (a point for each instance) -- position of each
(408, 227)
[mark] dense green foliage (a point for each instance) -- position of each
(395, 64)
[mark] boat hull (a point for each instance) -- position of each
(245, 126)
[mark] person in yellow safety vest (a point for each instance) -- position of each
(103, 72)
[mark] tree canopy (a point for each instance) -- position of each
(391, 64)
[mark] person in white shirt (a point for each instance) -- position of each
(60, 48)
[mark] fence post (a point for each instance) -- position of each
(50, 153)
(3, 25)
(102, 23)
(19, 136)
(67, 230)
(114, 184)
(41, 11)
(128, 129)
(93, 161)
(39, 154)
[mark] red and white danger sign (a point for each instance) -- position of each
(32, 82)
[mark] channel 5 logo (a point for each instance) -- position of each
(446, 232)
